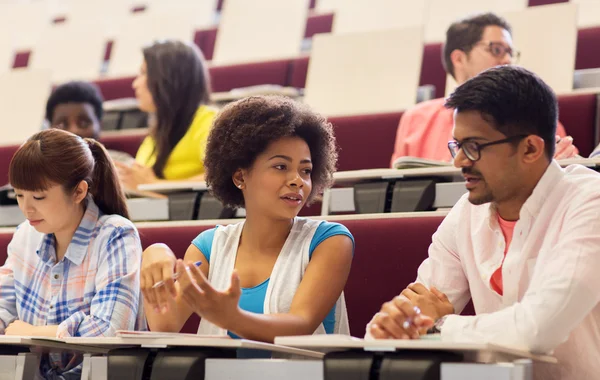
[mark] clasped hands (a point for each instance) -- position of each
(410, 314)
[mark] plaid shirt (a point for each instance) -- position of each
(93, 291)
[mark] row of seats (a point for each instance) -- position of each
(432, 72)
(293, 71)
(381, 266)
(367, 141)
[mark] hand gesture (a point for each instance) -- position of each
(218, 307)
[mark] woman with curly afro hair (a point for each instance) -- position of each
(275, 273)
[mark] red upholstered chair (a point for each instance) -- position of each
(116, 88)
(5, 238)
(384, 263)
(124, 143)
(578, 113)
(298, 72)
(6, 153)
(205, 40)
(318, 23)
(366, 142)
(588, 54)
(21, 59)
(432, 70)
(225, 78)
(533, 3)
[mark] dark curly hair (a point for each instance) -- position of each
(244, 129)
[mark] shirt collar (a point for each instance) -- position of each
(78, 247)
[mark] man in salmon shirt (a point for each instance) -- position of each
(472, 45)
(523, 244)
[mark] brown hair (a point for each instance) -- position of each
(464, 34)
(179, 83)
(54, 156)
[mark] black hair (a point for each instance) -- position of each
(75, 92)
(514, 100)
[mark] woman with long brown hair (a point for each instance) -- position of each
(173, 87)
(73, 268)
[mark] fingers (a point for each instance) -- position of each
(409, 294)
(564, 148)
(418, 288)
(377, 332)
(235, 289)
(396, 319)
(200, 279)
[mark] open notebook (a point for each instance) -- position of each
(409, 162)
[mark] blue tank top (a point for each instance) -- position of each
(253, 299)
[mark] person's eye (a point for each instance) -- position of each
(39, 198)
(280, 167)
(307, 171)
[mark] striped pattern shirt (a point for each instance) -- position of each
(93, 291)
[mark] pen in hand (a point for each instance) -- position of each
(174, 277)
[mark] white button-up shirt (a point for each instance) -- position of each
(551, 274)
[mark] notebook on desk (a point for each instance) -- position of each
(408, 162)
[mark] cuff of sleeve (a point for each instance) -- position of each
(69, 326)
(454, 326)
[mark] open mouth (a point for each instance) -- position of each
(471, 182)
(293, 199)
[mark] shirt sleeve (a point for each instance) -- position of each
(400, 147)
(8, 299)
(327, 230)
(562, 292)
(443, 268)
(116, 302)
(204, 242)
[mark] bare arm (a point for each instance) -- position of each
(164, 307)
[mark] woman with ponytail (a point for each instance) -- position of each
(73, 268)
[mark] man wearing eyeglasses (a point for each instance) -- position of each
(523, 244)
(472, 45)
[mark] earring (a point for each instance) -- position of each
(240, 186)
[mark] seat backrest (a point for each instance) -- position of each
(578, 113)
(5, 237)
(72, 50)
(124, 143)
(383, 78)
(588, 55)
(384, 263)
(377, 14)
(142, 29)
(366, 141)
(544, 31)
(262, 17)
(23, 95)
(442, 13)
(6, 153)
